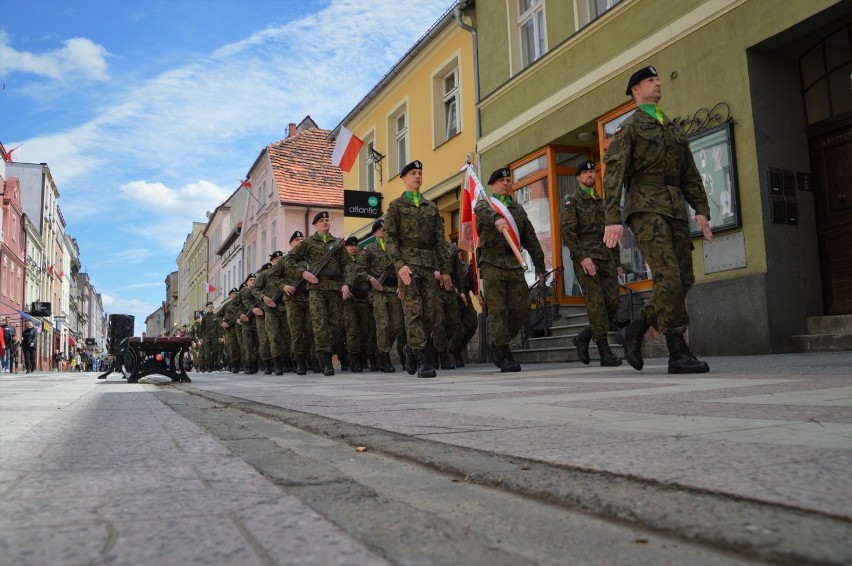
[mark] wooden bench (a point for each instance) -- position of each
(141, 361)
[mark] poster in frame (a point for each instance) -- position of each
(713, 151)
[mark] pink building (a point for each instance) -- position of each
(12, 249)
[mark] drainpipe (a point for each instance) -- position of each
(457, 12)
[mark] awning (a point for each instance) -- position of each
(71, 341)
(36, 322)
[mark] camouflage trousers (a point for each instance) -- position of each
(449, 305)
(232, 346)
(326, 307)
(387, 312)
(249, 332)
(468, 323)
(360, 328)
(301, 327)
(263, 349)
(667, 247)
(421, 307)
(508, 297)
(601, 295)
(277, 329)
(212, 352)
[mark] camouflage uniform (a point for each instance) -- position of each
(325, 298)
(358, 313)
(655, 163)
(468, 321)
(298, 308)
(582, 230)
(373, 260)
(414, 236)
(275, 317)
(231, 344)
(503, 283)
(210, 334)
(244, 301)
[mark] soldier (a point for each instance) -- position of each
(415, 243)
(298, 309)
(266, 288)
(327, 288)
(245, 301)
(357, 312)
(450, 303)
(375, 265)
(595, 265)
(209, 338)
(468, 322)
(228, 323)
(503, 281)
(650, 154)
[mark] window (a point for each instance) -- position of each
(590, 10)
(398, 125)
(263, 254)
(451, 104)
(273, 236)
(825, 73)
(369, 161)
(262, 200)
(531, 31)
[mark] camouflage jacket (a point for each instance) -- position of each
(310, 252)
(493, 247)
(414, 235)
(582, 227)
(372, 261)
(209, 326)
(232, 312)
(266, 283)
(655, 163)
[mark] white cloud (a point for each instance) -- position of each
(113, 304)
(78, 58)
(190, 201)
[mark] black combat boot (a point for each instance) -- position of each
(279, 365)
(496, 354)
(355, 364)
(375, 362)
(445, 361)
(581, 341)
(681, 359)
(267, 366)
(325, 363)
(608, 359)
(457, 357)
(509, 364)
(424, 367)
(315, 365)
(409, 362)
(387, 364)
(301, 364)
(344, 362)
(631, 337)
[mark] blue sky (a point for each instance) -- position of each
(148, 112)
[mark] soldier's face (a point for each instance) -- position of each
(413, 180)
(501, 186)
(209, 308)
(648, 91)
(352, 250)
(296, 242)
(380, 233)
(275, 260)
(586, 178)
(322, 225)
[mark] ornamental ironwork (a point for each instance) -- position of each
(705, 119)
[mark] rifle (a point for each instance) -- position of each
(315, 271)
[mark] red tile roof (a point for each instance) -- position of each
(303, 170)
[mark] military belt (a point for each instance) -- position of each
(591, 238)
(655, 179)
(415, 244)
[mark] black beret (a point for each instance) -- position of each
(234, 290)
(413, 165)
(242, 285)
(209, 304)
(498, 174)
(640, 76)
(320, 216)
(277, 253)
(296, 234)
(351, 241)
(264, 267)
(377, 225)
(250, 276)
(585, 166)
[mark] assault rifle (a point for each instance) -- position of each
(323, 262)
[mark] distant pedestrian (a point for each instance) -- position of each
(29, 339)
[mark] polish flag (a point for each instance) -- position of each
(346, 149)
(210, 288)
(468, 238)
(501, 209)
(61, 274)
(50, 270)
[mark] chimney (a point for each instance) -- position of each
(291, 130)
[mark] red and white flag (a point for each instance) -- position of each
(50, 270)
(209, 288)
(501, 209)
(473, 191)
(346, 149)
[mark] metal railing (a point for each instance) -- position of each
(543, 305)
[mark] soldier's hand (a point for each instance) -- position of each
(345, 291)
(463, 298)
(268, 302)
(501, 224)
(257, 311)
(310, 277)
(447, 281)
(612, 234)
(405, 275)
(589, 266)
(289, 289)
(399, 293)
(704, 226)
(226, 326)
(200, 341)
(243, 318)
(374, 283)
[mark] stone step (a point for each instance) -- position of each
(560, 354)
(560, 340)
(838, 324)
(822, 343)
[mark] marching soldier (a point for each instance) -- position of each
(228, 323)
(415, 243)
(595, 265)
(245, 301)
(298, 308)
(357, 312)
(450, 302)
(650, 154)
(264, 351)
(375, 265)
(327, 288)
(209, 338)
(503, 280)
(468, 322)
(265, 289)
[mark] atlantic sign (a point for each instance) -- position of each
(362, 204)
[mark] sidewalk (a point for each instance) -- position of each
(775, 429)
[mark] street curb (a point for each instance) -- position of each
(746, 527)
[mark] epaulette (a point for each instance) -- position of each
(568, 203)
